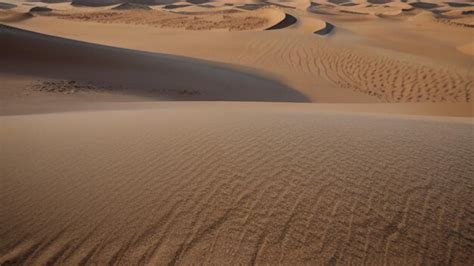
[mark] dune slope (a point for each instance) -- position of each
(180, 185)
(154, 75)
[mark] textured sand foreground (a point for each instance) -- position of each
(186, 184)
(99, 163)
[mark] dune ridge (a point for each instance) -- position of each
(148, 74)
(224, 19)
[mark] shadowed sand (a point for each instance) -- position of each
(235, 184)
(138, 73)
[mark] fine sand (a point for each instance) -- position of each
(161, 132)
(235, 184)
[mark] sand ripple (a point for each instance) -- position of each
(180, 185)
(389, 78)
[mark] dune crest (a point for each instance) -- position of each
(155, 76)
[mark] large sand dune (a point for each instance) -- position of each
(153, 75)
(235, 184)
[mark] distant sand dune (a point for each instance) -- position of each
(226, 19)
(387, 78)
(286, 22)
(235, 185)
(7, 5)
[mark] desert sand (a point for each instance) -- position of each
(161, 132)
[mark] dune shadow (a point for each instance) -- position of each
(251, 7)
(140, 73)
(95, 3)
(7, 5)
(131, 6)
(326, 30)
(459, 4)
(173, 6)
(285, 23)
(424, 5)
(379, 2)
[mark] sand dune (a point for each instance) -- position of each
(328, 27)
(287, 21)
(395, 69)
(206, 183)
(138, 73)
(190, 20)
(7, 5)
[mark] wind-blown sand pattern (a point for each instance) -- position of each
(163, 132)
(287, 186)
(230, 19)
(388, 79)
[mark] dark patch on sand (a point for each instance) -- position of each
(95, 3)
(40, 9)
(173, 6)
(198, 2)
(338, 2)
(54, 1)
(457, 4)
(353, 12)
(423, 5)
(327, 29)
(252, 6)
(7, 5)
(379, 2)
(131, 6)
(349, 4)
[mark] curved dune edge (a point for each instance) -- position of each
(234, 186)
(286, 22)
(196, 19)
(328, 28)
(151, 75)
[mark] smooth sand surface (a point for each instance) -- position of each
(240, 132)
